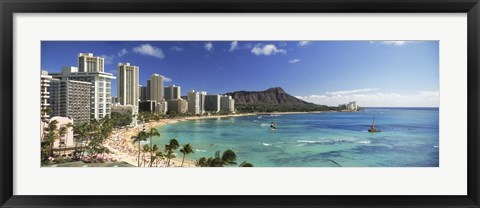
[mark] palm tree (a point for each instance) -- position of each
(51, 135)
(158, 155)
(152, 132)
(202, 162)
(81, 131)
(229, 157)
(186, 149)
(153, 150)
(168, 155)
(69, 125)
(245, 164)
(92, 130)
(145, 149)
(62, 132)
(172, 145)
(141, 136)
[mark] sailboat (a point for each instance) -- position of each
(372, 128)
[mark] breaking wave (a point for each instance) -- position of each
(333, 141)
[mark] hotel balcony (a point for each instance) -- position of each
(45, 85)
(45, 93)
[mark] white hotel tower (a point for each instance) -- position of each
(193, 99)
(45, 94)
(128, 91)
(91, 70)
(89, 63)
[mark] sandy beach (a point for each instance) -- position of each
(122, 149)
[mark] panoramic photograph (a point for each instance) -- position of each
(152, 104)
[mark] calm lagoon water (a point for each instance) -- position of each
(409, 138)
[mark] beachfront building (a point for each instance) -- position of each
(70, 98)
(100, 89)
(212, 103)
(148, 105)
(114, 100)
(142, 93)
(65, 144)
(202, 102)
(177, 105)
(172, 92)
(162, 107)
(193, 99)
(128, 93)
(352, 106)
(227, 104)
(129, 110)
(44, 94)
(89, 63)
(155, 88)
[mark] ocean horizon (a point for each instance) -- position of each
(409, 138)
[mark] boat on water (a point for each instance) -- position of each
(372, 128)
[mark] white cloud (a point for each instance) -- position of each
(292, 61)
(176, 49)
(429, 93)
(122, 52)
(208, 46)
(167, 79)
(350, 91)
(108, 58)
(377, 99)
(303, 43)
(233, 46)
(394, 43)
(149, 50)
(266, 50)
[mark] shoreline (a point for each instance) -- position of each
(122, 148)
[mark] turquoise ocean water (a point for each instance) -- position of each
(409, 138)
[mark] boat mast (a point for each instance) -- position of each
(373, 121)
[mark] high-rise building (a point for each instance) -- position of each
(70, 98)
(227, 103)
(172, 92)
(114, 100)
(147, 105)
(100, 89)
(143, 93)
(212, 103)
(155, 87)
(162, 107)
(178, 105)
(193, 99)
(89, 63)
(44, 94)
(202, 102)
(352, 106)
(128, 92)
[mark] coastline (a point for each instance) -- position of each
(122, 148)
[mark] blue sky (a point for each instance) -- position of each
(373, 73)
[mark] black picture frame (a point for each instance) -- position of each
(10, 7)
